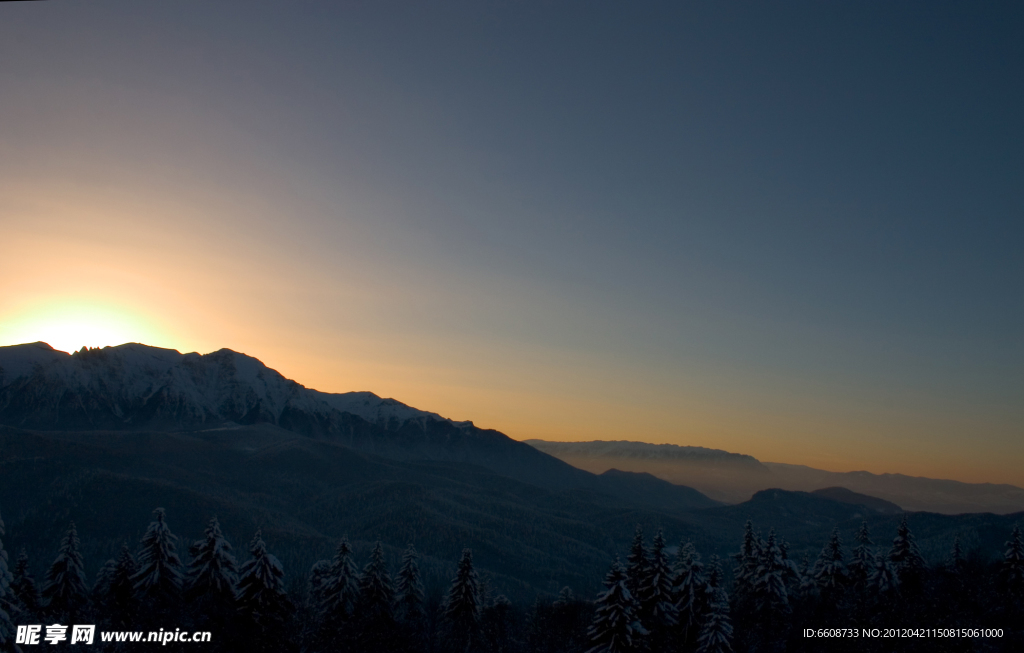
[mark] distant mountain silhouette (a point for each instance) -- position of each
(735, 478)
(843, 495)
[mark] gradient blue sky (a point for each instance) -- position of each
(790, 230)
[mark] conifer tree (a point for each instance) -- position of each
(863, 563)
(119, 592)
(65, 591)
(689, 591)
(158, 579)
(7, 633)
(807, 587)
(658, 613)
(261, 584)
(884, 581)
(24, 590)
(1011, 571)
(716, 630)
(637, 565)
(341, 586)
(409, 589)
(212, 575)
(462, 609)
(716, 627)
(770, 593)
(262, 600)
(829, 572)
(905, 557)
(374, 609)
(747, 561)
(615, 628)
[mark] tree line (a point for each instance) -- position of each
(656, 601)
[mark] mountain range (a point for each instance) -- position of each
(734, 478)
(104, 436)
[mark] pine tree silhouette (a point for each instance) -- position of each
(409, 589)
(906, 559)
(716, 626)
(213, 572)
(262, 600)
(689, 593)
(64, 591)
(615, 628)
(462, 609)
(658, 613)
(158, 579)
(637, 564)
(830, 573)
(863, 562)
(1011, 570)
(374, 608)
(341, 587)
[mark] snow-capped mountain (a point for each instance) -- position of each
(140, 387)
(136, 387)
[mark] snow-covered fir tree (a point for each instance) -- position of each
(769, 586)
(637, 564)
(64, 591)
(658, 611)
(409, 589)
(1011, 570)
(159, 576)
(807, 587)
(261, 594)
(212, 573)
(830, 574)
(565, 597)
(747, 561)
(462, 608)
(341, 587)
(7, 605)
(884, 581)
(862, 564)
(319, 574)
(905, 557)
(376, 592)
(615, 628)
(23, 586)
(263, 606)
(716, 627)
(688, 590)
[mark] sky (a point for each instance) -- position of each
(790, 230)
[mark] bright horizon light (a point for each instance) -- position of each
(69, 326)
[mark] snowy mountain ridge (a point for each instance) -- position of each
(135, 387)
(141, 386)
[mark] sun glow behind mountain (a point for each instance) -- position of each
(69, 326)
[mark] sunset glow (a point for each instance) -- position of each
(773, 241)
(69, 325)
